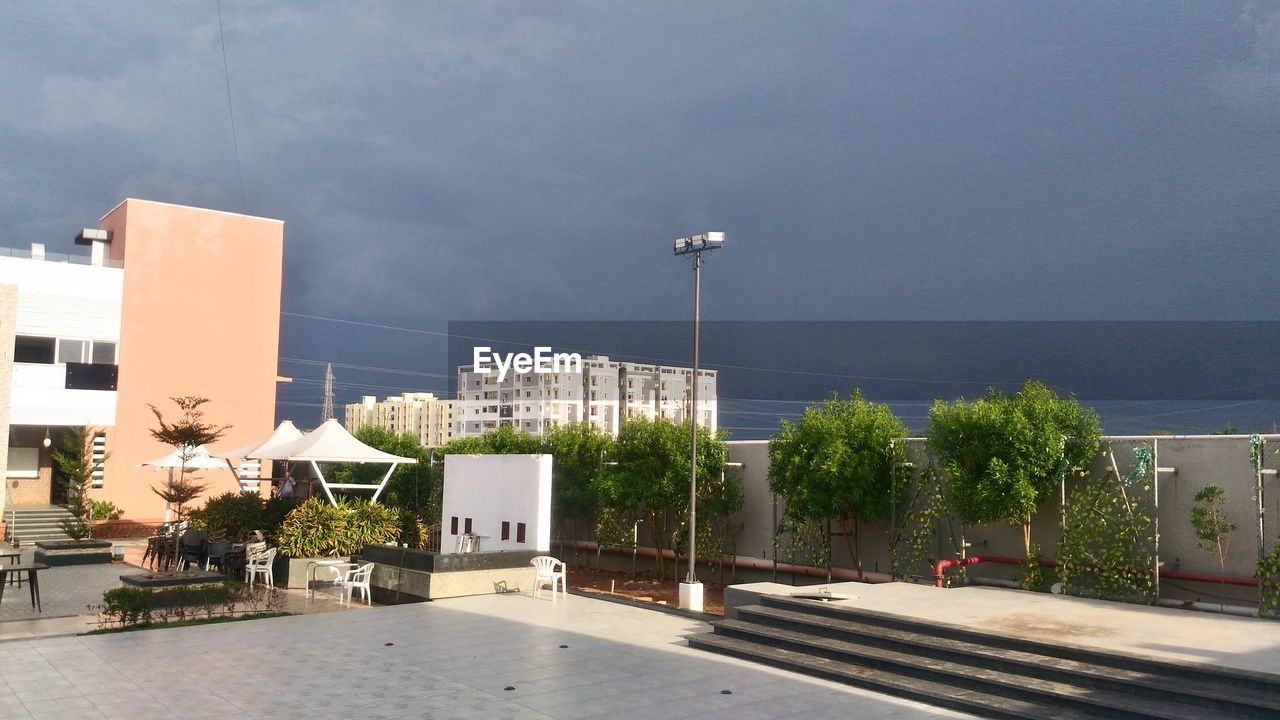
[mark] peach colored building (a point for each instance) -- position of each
(171, 301)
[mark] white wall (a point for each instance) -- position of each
(492, 489)
(65, 300)
(55, 299)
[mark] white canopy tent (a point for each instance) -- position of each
(331, 443)
(193, 458)
(284, 434)
(190, 458)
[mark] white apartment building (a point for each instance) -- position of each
(605, 393)
(420, 414)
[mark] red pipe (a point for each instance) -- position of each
(943, 565)
(1214, 579)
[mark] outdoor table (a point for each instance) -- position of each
(312, 565)
(8, 552)
(32, 580)
(233, 562)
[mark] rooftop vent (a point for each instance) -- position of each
(89, 236)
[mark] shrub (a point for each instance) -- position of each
(104, 510)
(413, 531)
(130, 606)
(313, 529)
(241, 513)
(318, 529)
(126, 606)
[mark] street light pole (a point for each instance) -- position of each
(691, 576)
(691, 589)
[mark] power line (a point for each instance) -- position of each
(226, 76)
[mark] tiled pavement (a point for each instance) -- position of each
(73, 590)
(446, 659)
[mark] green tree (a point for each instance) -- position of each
(77, 466)
(1213, 528)
(837, 463)
(409, 487)
(1004, 455)
(648, 476)
(506, 440)
(578, 451)
(186, 434)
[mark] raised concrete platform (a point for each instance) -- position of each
(73, 552)
(1158, 633)
(401, 575)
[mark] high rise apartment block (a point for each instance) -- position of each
(422, 415)
(604, 393)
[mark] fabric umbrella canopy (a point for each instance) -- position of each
(284, 434)
(331, 443)
(196, 458)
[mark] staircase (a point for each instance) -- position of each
(26, 526)
(984, 674)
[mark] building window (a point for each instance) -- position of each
(71, 350)
(519, 532)
(453, 521)
(466, 523)
(24, 462)
(506, 529)
(30, 349)
(99, 457)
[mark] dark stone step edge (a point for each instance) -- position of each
(1249, 678)
(923, 691)
(1226, 697)
(1110, 704)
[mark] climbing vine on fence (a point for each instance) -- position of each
(1108, 536)
(803, 541)
(1269, 584)
(921, 506)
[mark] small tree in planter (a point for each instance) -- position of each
(647, 475)
(1005, 455)
(75, 462)
(185, 435)
(1213, 528)
(837, 463)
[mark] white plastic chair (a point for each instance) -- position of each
(357, 579)
(260, 564)
(549, 570)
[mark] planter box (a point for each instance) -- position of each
(56, 553)
(289, 572)
(171, 579)
(401, 575)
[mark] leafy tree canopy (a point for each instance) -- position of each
(1005, 454)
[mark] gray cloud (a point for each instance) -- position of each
(505, 160)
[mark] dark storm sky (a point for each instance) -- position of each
(499, 161)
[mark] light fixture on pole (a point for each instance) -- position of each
(691, 589)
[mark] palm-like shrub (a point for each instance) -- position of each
(318, 529)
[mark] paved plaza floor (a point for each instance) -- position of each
(496, 656)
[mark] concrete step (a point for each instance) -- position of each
(921, 690)
(984, 673)
(1007, 682)
(1208, 692)
(1256, 683)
